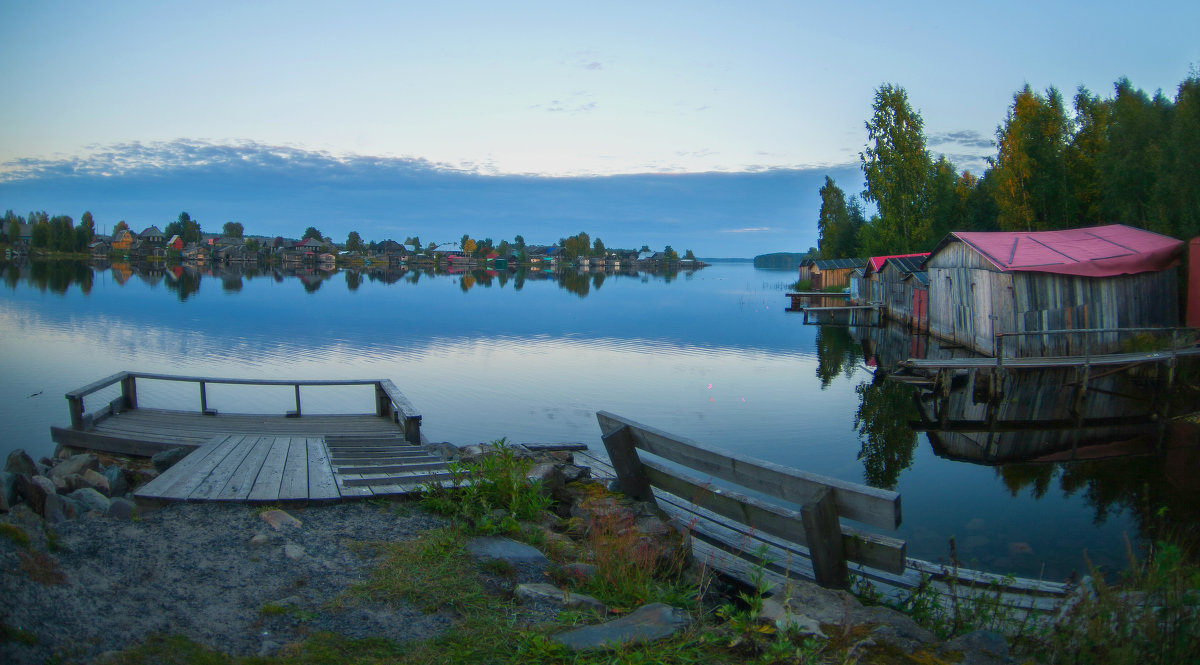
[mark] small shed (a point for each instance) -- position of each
(896, 289)
(1104, 277)
(805, 269)
(869, 289)
(917, 283)
(831, 273)
(855, 284)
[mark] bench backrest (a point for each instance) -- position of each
(816, 525)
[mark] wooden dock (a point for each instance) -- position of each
(261, 457)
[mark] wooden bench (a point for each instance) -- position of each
(823, 501)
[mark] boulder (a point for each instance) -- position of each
(648, 624)
(980, 647)
(505, 548)
(19, 461)
(8, 490)
(143, 476)
(97, 481)
(548, 593)
(118, 485)
(168, 458)
(121, 509)
(90, 499)
(75, 464)
(293, 551)
(40, 487)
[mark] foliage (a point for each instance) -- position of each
(312, 232)
(882, 418)
(897, 168)
(1153, 617)
(1031, 165)
(491, 493)
(185, 227)
(354, 242)
(839, 223)
(233, 229)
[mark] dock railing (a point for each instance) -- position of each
(1088, 335)
(389, 401)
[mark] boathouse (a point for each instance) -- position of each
(854, 283)
(831, 273)
(896, 290)
(1105, 277)
(869, 289)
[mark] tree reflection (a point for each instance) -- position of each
(353, 280)
(837, 353)
(575, 283)
(186, 283)
(884, 411)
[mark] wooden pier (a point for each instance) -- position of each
(260, 457)
(874, 313)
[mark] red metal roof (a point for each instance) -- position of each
(876, 262)
(1099, 251)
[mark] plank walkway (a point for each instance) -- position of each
(1051, 361)
(717, 542)
(270, 467)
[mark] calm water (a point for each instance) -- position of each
(711, 355)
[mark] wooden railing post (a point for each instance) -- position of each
(129, 391)
(383, 403)
(824, 534)
(631, 477)
(412, 429)
(75, 404)
(296, 413)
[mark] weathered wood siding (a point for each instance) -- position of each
(823, 279)
(970, 300)
(896, 293)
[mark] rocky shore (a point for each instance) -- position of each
(87, 572)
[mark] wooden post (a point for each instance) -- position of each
(75, 404)
(204, 401)
(383, 403)
(412, 429)
(296, 413)
(824, 535)
(129, 391)
(631, 477)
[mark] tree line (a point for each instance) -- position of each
(1132, 158)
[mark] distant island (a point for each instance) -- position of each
(781, 260)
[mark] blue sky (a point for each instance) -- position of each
(97, 90)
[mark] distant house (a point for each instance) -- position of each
(152, 235)
(805, 269)
(122, 240)
(175, 243)
(1101, 277)
(99, 248)
(854, 283)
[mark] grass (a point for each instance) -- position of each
(15, 534)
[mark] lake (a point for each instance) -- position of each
(711, 355)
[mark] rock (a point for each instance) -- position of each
(117, 483)
(506, 549)
(774, 612)
(279, 519)
(572, 473)
(143, 476)
(259, 539)
(648, 624)
(446, 450)
(62, 484)
(8, 490)
(981, 647)
(53, 509)
(75, 464)
(548, 593)
(40, 487)
(168, 458)
(549, 477)
(121, 509)
(97, 481)
(19, 461)
(293, 551)
(90, 499)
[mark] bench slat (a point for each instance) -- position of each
(865, 504)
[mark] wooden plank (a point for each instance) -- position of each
(391, 468)
(270, 475)
(858, 502)
(115, 443)
(218, 476)
(97, 385)
(179, 481)
(824, 534)
(348, 490)
(631, 473)
(295, 471)
(879, 551)
(240, 482)
(321, 484)
(361, 479)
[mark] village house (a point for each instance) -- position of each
(896, 289)
(152, 235)
(122, 241)
(868, 286)
(1105, 277)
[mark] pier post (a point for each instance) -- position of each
(823, 532)
(624, 457)
(129, 391)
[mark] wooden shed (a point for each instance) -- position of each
(855, 285)
(831, 273)
(1106, 277)
(869, 289)
(896, 289)
(805, 269)
(917, 283)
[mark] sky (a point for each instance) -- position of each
(105, 98)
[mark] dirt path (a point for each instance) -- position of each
(191, 569)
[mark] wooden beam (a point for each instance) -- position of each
(631, 474)
(857, 502)
(824, 535)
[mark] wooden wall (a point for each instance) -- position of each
(896, 293)
(970, 300)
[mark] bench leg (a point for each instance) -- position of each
(824, 535)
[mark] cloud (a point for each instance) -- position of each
(580, 102)
(593, 66)
(752, 229)
(966, 138)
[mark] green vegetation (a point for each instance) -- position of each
(1128, 159)
(16, 534)
(782, 260)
